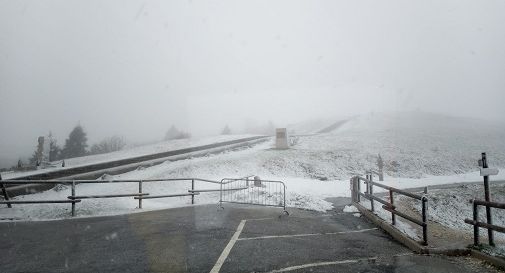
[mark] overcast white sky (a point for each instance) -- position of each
(133, 68)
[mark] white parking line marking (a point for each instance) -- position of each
(227, 249)
(297, 267)
(305, 235)
(260, 219)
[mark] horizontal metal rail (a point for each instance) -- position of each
(489, 204)
(212, 190)
(406, 193)
(106, 196)
(385, 203)
(485, 225)
(39, 201)
(103, 181)
(405, 216)
(165, 196)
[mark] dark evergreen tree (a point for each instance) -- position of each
(76, 143)
(226, 130)
(172, 133)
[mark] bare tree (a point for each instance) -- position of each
(108, 145)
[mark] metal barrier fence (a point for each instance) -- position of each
(73, 198)
(476, 224)
(247, 190)
(389, 206)
(253, 192)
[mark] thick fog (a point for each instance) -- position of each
(134, 68)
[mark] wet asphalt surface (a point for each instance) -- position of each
(191, 239)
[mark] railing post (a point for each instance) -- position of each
(359, 189)
(140, 196)
(73, 198)
(424, 201)
(192, 191)
(476, 238)
(284, 186)
(5, 194)
(367, 190)
(488, 199)
(221, 195)
(371, 192)
(353, 189)
(391, 200)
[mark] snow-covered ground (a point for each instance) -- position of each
(450, 206)
(418, 149)
(130, 152)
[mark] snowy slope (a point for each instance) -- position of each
(412, 144)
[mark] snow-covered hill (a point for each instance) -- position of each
(412, 145)
(418, 149)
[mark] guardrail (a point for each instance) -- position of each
(389, 205)
(136, 161)
(254, 191)
(476, 224)
(73, 198)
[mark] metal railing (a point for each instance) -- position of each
(73, 198)
(389, 205)
(253, 192)
(379, 173)
(476, 224)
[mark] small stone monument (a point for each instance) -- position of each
(281, 138)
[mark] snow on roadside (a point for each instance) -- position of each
(132, 152)
(450, 207)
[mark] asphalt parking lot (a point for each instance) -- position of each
(207, 239)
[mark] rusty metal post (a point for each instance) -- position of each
(140, 196)
(73, 198)
(370, 191)
(5, 194)
(192, 191)
(391, 200)
(489, 218)
(367, 185)
(424, 201)
(352, 188)
(359, 189)
(476, 239)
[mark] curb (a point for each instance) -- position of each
(498, 262)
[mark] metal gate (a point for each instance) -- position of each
(253, 191)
